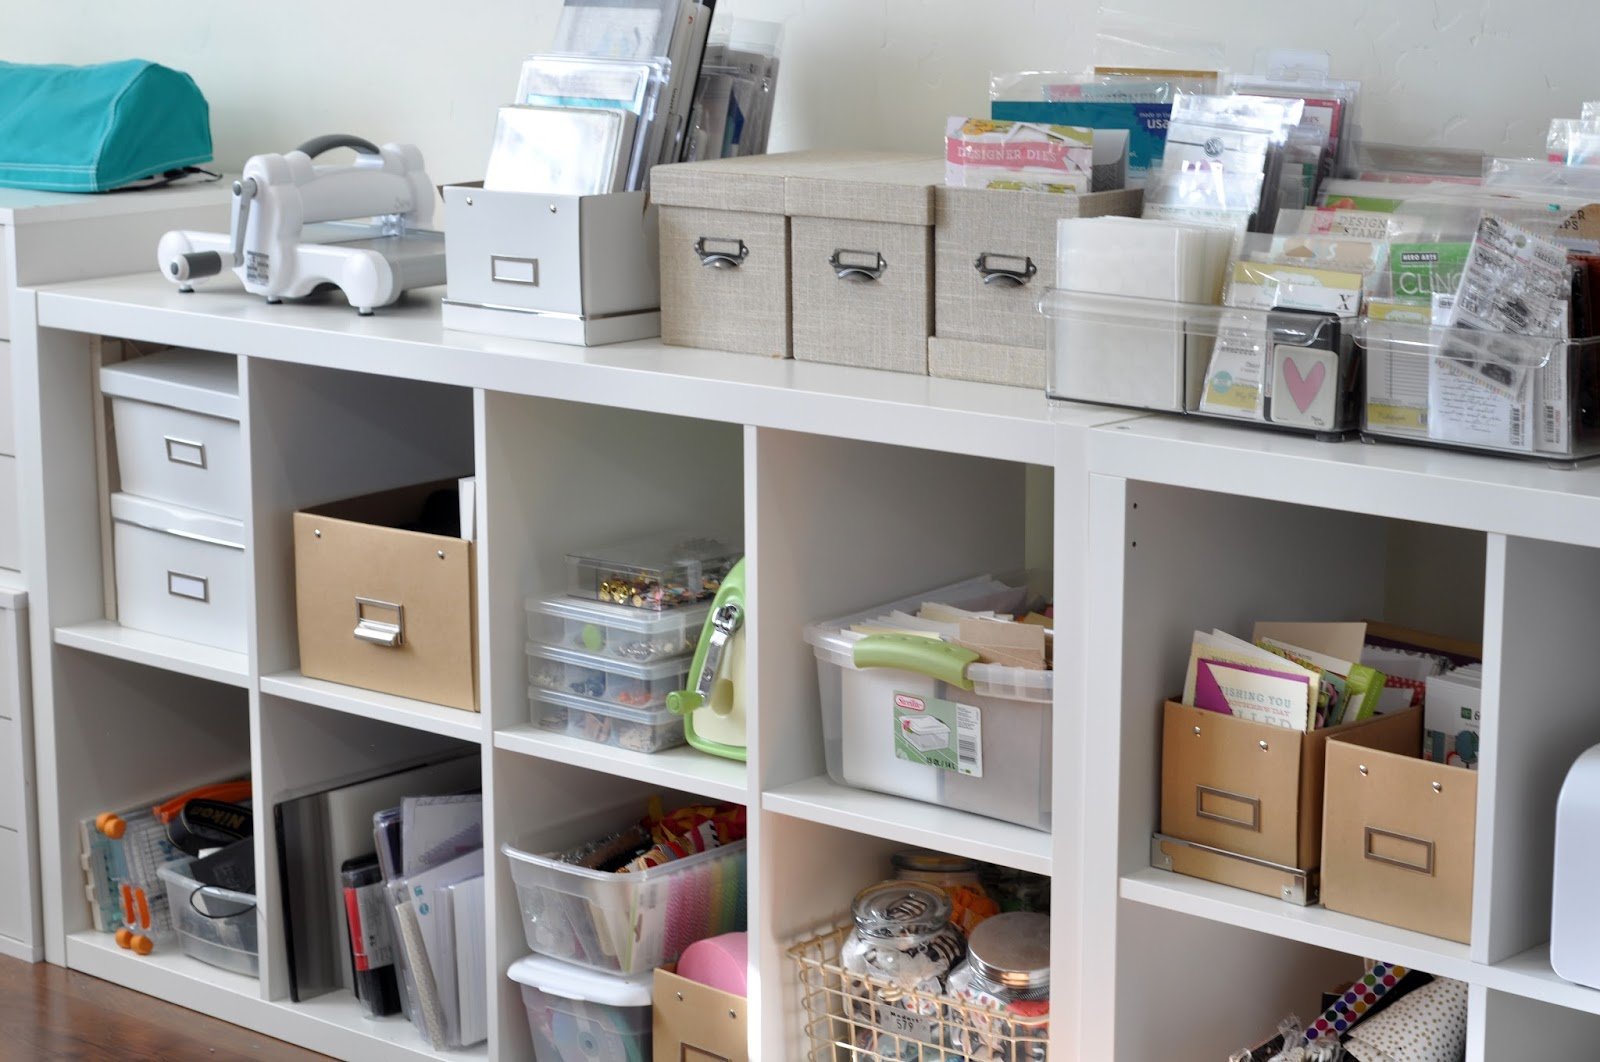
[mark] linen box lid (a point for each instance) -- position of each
(753, 183)
(898, 191)
(172, 520)
(196, 380)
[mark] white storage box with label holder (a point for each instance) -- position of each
(920, 718)
(575, 1013)
(180, 573)
(175, 416)
(564, 268)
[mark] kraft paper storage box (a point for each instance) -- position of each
(697, 1023)
(994, 256)
(861, 264)
(1250, 795)
(1399, 839)
(563, 268)
(384, 608)
(725, 248)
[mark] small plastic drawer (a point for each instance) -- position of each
(215, 925)
(615, 631)
(622, 923)
(577, 1013)
(653, 573)
(605, 680)
(624, 728)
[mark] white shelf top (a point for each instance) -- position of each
(1530, 975)
(683, 768)
(408, 340)
(156, 650)
(913, 822)
(1317, 926)
(384, 707)
(22, 206)
(1481, 492)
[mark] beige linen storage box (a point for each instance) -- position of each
(861, 264)
(725, 247)
(994, 255)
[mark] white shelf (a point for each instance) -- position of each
(334, 1024)
(912, 822)
(155, 650)
(386, 708)
(409, 340)
(1317, 926)
(684, 768)
(1530, 975)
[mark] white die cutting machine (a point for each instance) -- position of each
(292, 234)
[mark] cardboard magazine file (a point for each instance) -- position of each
(697, 1023)
(1241, 802)
(1399, 839)
(385, 608)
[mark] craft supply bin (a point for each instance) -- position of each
(215, 925)
(861, 264)
(1242, 802)
(563, 268)
(622, 923)
(384, 608)
(604, 682)
(175, 418)
(1399, 838)
(1452, 387)
(1154, 354)
(994, 253)
(179, 572)
(617, 632)
(654, 573)
(860, 691)
(635, 729)
(864, 1017)
(574, 1013)
(697, 1023)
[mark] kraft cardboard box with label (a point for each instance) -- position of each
(385, 608)
(697, 1023)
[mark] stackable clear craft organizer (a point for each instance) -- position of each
(1528, 396)
(579, 269)
(1155, 354)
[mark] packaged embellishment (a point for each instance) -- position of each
(1018, 156)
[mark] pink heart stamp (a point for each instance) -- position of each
(1303, 388)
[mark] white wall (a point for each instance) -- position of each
(1471, 73)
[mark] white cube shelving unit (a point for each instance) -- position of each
(852, 487)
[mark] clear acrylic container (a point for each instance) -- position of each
(574, 1013)
(859, 727)
(624, 728)
(1530, 396)
(215, 925)
(605, 680)
(616, 631)
(622, 923)
(656, 573)
(1290, 370)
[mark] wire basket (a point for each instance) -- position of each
(849, 1017)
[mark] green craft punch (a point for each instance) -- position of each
(713, 707)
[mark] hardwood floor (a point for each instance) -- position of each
(48, 1013)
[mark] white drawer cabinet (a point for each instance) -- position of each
(10, 544)
(19, 912)
(8, 425)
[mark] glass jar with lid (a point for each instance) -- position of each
(903, 942)
(1002, 990)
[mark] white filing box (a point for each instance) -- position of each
(563, 268)
(175, 416)
(19, 917)
(180, 572)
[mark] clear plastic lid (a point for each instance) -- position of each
(602, 613)
(660, 716)
(557, 978)
(652, 672)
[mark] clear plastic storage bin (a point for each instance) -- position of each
(575, 1013)
(653, 573)
(605, 680)
(215, 925)
(648, 730)
(616, 631)
(1531, 396)
(876, 687)
(622, 923)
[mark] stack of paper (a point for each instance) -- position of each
(1300, 676)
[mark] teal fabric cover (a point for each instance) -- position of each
(96, 128)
